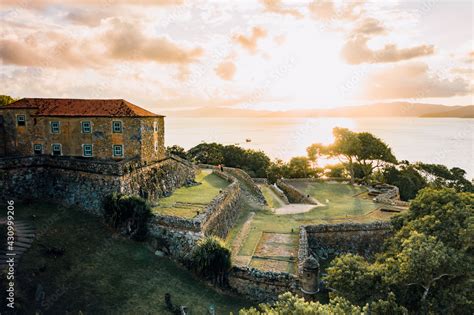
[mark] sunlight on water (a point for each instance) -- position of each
(444, 141)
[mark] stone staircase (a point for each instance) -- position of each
(24, 237)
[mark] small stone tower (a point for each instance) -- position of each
(309, 279)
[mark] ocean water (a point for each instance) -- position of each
(448, 141)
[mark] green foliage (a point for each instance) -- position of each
(440, 176)
(406, 178)
(5, 100)
(253, 162)
(352, 148)
(212, 259)
(298, 167)
(289, 304)
(128, 214)
(177, 150)
(336, 170)
(427, 264)
(207, 153)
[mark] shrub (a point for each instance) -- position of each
(128, 214)
(212, 259)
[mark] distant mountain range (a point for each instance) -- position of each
(398, 109)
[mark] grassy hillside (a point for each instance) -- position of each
(100, 273)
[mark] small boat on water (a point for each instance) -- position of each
(248, 140)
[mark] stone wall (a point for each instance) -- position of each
(293, 194)
(261, 286)
(279, 193)
(178, 236)
(84, 183)
(303, 249)
(362, 238)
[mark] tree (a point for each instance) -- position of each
(406, 178)
(277, 170)
(428, 263)
(290, 304)
(372, 153)
(127, 213)
(299, 167)
(207, 153)
(177, 150)
(336, 171)
(440, 176)
(350, 148)
(212, 259)
(5, 100)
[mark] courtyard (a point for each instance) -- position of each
(267, 238)
(187, 202)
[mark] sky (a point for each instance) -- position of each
(268, 54)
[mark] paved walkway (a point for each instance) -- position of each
(293, 208)
(24, 237)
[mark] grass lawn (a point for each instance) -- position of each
(100, 273)
(186, 201)
(342, 207)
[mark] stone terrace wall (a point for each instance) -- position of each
(179, 235)
(293, 194)
(244, 178)
(84, 183)
(279, 193)
(303, 249)
(261, 286)
(361, 238)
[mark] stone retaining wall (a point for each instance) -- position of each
(260, 180)
(279, 193)
(293, 194)
(84, 183)
(178, 236)
(261, 286)
(362, 238)
(303, 249)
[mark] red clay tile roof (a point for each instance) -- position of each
(81, 107)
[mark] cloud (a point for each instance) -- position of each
(326, 10)
(226, 70)
(122, 40)
(41, 4)
(250, 42)
(355, 51)
(369, 26)
(126, 41)
(412, 80)
(275, 6)
(61, 53)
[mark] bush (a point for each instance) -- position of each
(128, 214)
(212, 259)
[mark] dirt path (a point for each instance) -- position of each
(293, 208)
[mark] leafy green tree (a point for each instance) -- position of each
(289, 304)
(299, 167)
(354, 148)
(336, 170)
(406, 178)
(277, 170)
(177, 150)
(128, 214)
(212, 259)
(427, 264)
(5, 100)
(440, 176)
(207, 153)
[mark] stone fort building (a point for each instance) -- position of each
(77, 151)
(90, 128)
